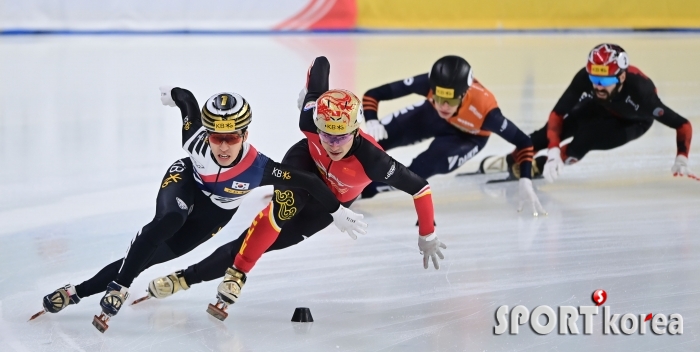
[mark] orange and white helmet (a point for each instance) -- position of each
(337, 112)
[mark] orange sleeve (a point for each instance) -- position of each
(554, 128)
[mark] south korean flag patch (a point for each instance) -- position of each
(240, 185)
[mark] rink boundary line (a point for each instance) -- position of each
(369, 32)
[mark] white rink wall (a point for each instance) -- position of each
(152, 15)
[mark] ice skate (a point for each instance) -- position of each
(111, 303)
(164, 286)
(229, 290)
(58, 300)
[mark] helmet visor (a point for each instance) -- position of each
(229, 138)
(335, 139)
(450, 101)
(604, 81)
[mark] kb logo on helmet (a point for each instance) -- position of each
(224, 126)
(335, 126)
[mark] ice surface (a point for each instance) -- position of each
(84, 142)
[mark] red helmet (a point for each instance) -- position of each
(607, 60)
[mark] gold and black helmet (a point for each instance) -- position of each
(226, 113)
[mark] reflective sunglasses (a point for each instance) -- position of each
(450, 101)
(229, 138)
(334, 139)
(603, 80)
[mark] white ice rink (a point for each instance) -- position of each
(84, 142)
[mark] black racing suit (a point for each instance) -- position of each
(597, 124)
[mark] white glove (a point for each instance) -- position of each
(527, 194)
(430, 248)
(348, 221)
(165, 96)
(554, 164)
(300, 99)
(680, 168)
(375, 129)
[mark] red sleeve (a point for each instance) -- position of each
(423, 201)
(554, 128)
(683, 136)
(262, 233)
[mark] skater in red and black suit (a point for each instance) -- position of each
(608, 103)
(340, 154)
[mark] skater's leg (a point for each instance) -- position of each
(603, 132)
(410, 125)
(305, 224)
(175, 199)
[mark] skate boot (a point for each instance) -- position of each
(493, 164)
(165, 286)
(57, 300)
(229, 290)
(111, 303)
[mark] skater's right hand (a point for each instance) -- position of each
(375, 129)
(554, 164)
(430, 248)
(348, 221)
(528, 195)
(165, 96)
(680, 168)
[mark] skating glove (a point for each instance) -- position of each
(527, 194)
(375, 129)
(300, 99)
(165, 96)
(680, 168)
(114, 298)
(554, 164)
(430, 248)
(348, 221)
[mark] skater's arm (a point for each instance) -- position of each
(652, 104)
(572, 95)
(413, 85)
(316, 84)
(283, 175)
(380, 167)
(189, 109)
(500, 125)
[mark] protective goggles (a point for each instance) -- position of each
(334, 139)
(450, 101)
(229, 138)
(603, 80)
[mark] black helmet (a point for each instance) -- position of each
(225, 113)
(450, 77)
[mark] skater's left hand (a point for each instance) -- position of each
(680, 168)
(430, 248)
(114, 298)
(300, 99)
(348, 221)
(527, 194)
(165, 96)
